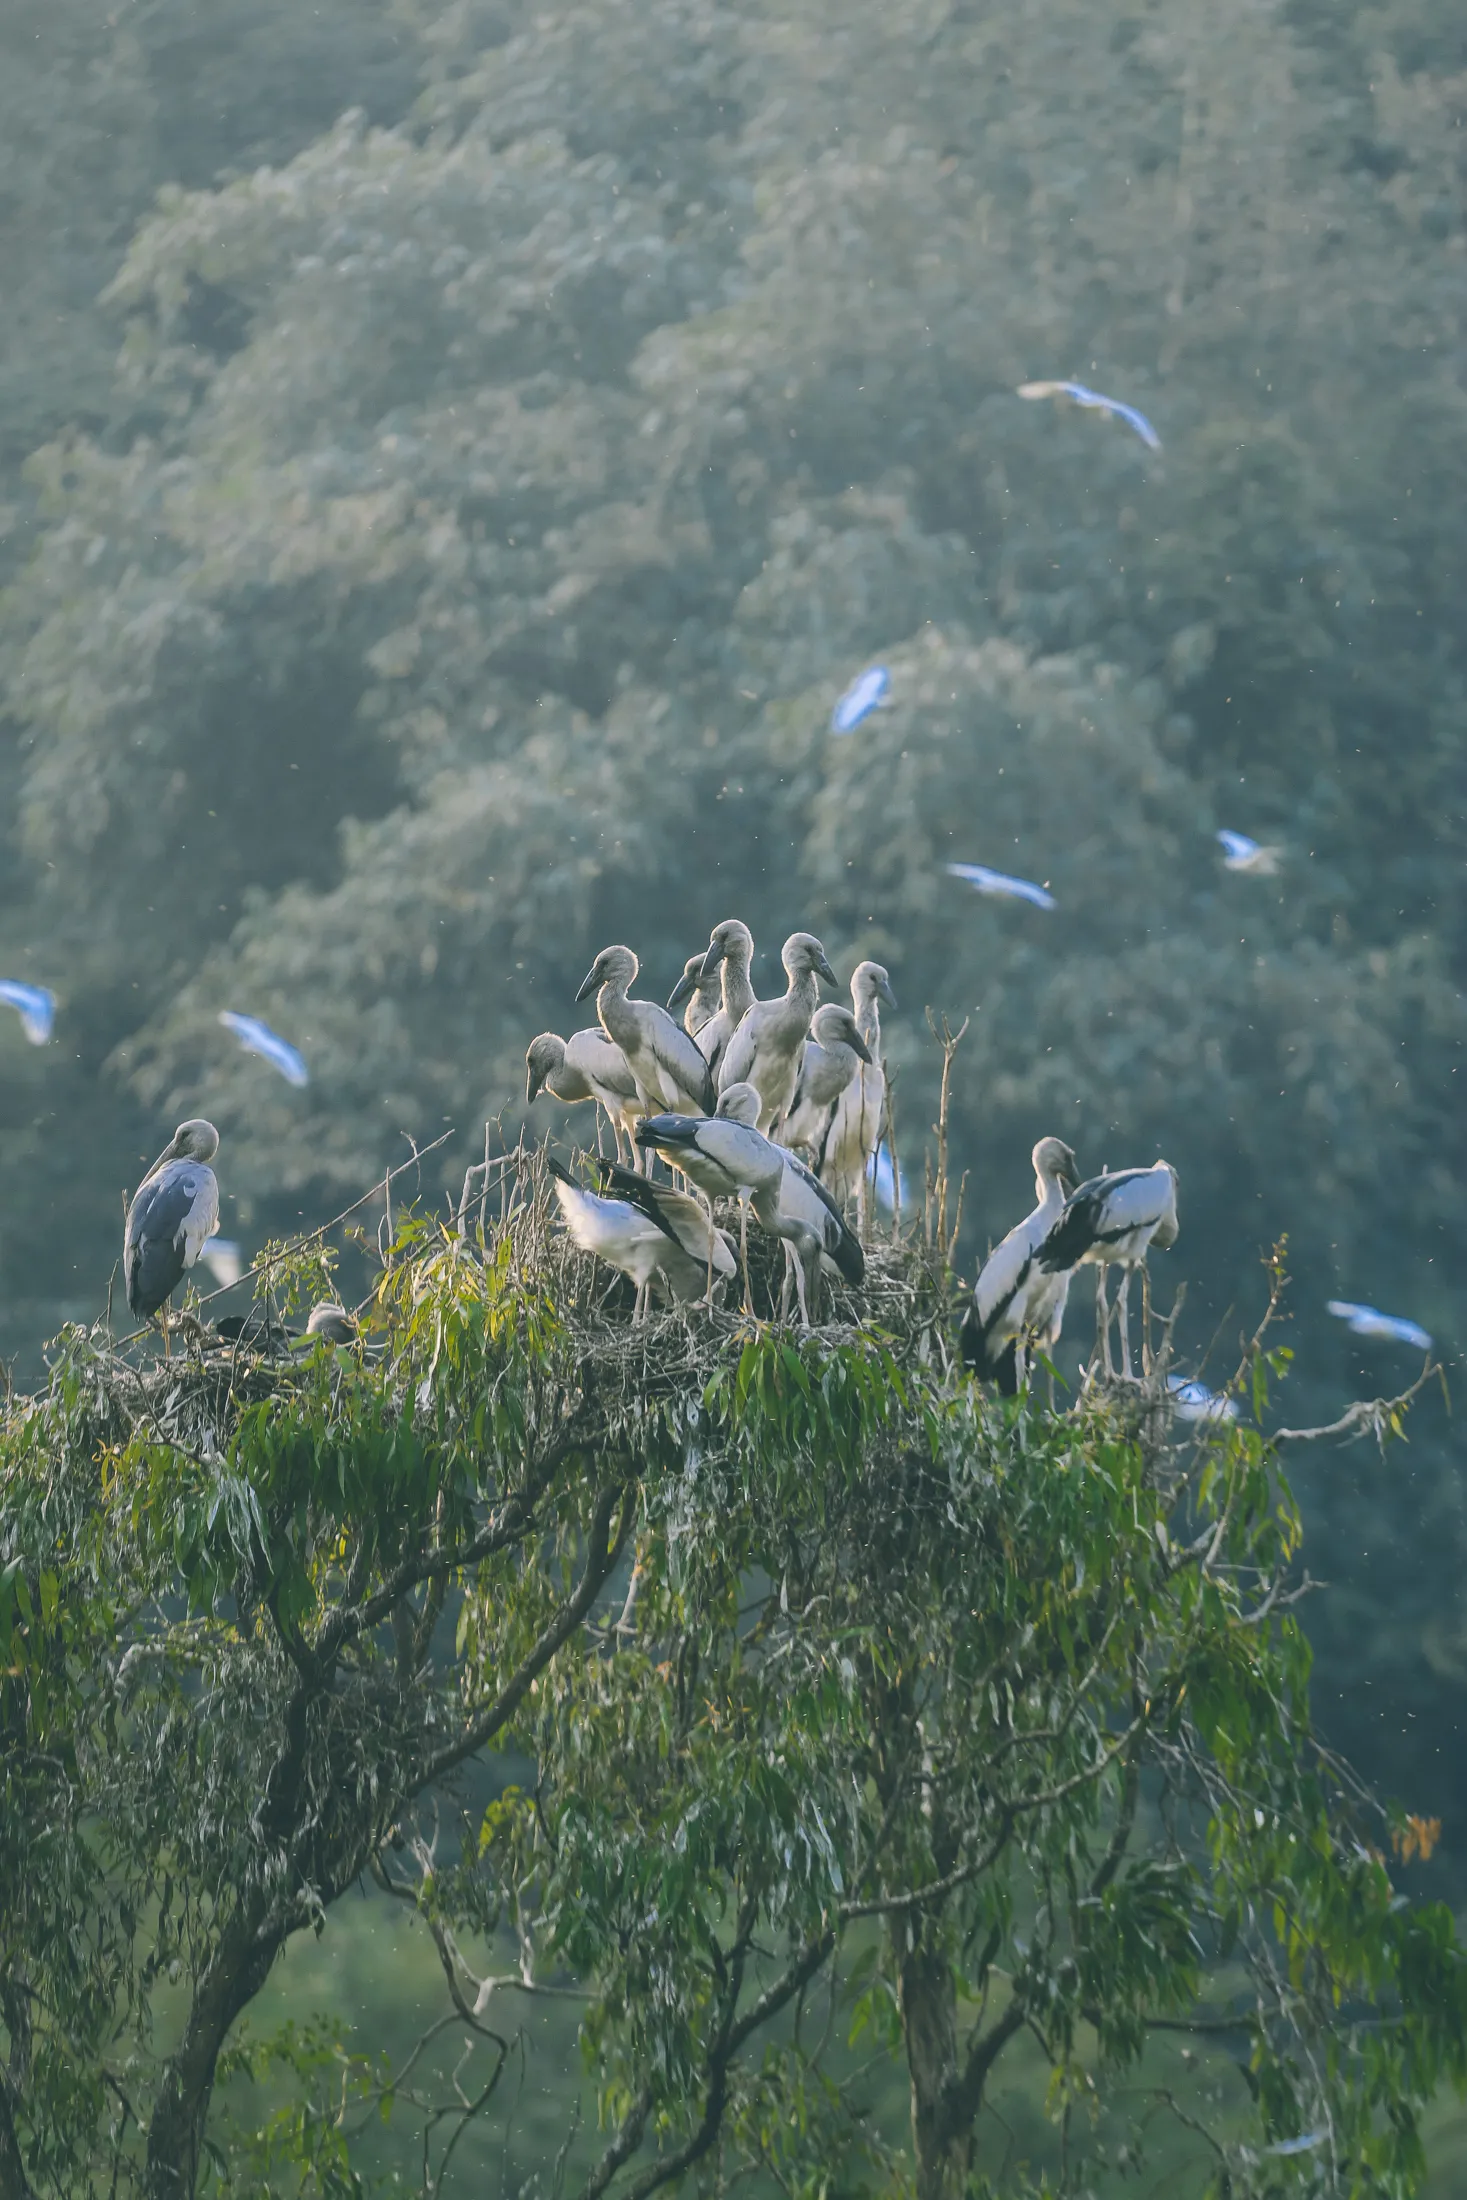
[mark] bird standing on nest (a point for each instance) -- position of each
(766, 1049)
(173, 1212)
(1115, 1220)
(648, 1231)
(1014, 1299)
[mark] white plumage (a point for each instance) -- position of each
(1115, 1219)
(666, 1064)
(1015, 1300)
(766, 1048)
(861, 1114)
(730, 954)
(833, 1058)
(586, 1066)
(650, 1233)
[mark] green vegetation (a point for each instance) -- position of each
(790, 1710)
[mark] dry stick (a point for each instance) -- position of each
(484, 1186)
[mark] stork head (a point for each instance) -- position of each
(731, 941)
(695, 974)
(543, 1057)
(613, 966)
(802, 952)
(1054, 1163)
(834, 1026)
(739, 1104)
(869, 982)
(331, 1323)
(195, 1140)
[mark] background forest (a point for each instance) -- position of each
(452, 460)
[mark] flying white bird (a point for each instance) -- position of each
(1077, 393)
(985, 881)
(1368, 1321)
(1193, 1401)
(37, 1008)
(1242, 854)
(258, 1038)
(863, 696)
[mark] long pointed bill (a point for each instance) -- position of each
(710, 963)
(686, 986)
(825, 971)
(859, 1047)
(589, 984)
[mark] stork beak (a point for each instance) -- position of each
(532, 1088)
(825, 971)
(859, 1046)
(884, 989)
(711, 961)
(589, 983)
(687, 984)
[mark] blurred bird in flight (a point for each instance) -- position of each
(985, 881)
(37, 1008)
(860, 699)
(1092, 399)
(1242, 854)
(258, 1038)
(1368, 1321)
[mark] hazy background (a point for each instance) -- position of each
(452, 460)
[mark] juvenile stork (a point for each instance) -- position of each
(173, 1212)
(856, 1133)
(765, 1050)
(586, 1066)
(730, 956)
(1114, 1220)
(649, 1232)
(702, 997)
(666, 1066)
(728, 1151)
(1015, 1301)
(834, 1056)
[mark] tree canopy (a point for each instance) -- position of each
(857, 1707)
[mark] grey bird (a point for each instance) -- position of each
(1015, 1301)
(1114, 1220)
(700, 993)
(330, 1324)
(730, 954)
(586, 1066)
(173, 1211)
(834, 1056)
(861, 1115)
(728, 1150)
(668, 1069)
(766, 1048)
(649, 1232)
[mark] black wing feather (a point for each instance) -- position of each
(638, 1193)
(152, 1252)
(1078, 1227)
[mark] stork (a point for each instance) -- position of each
(856, 1133)
(834, 1056)
(1015, 1300)
(586, 1066)
(727, 1151)
(702, 997)
(1114, 1220)
(730, 953)
(649, 1232)
(172, 1213)
(765, 1051)
(668, 1069)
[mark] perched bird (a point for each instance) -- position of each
(1114, 1219)
(265, 1332)
(330, 1323)
(984, 881)
(701, 995)
(258, 1038)
(586, 1066)
(861, 1111)
(1193, 1401)
(864, 695)
(173, 1212)
(649, 1232)
(1077, 393)
(730, 952)
(834, 1056)
(1368, 1321)
(1242, 854)
(37, 1006)
(1015, 1300)
(789, 1201)
(668, 1069)
(765, 1050)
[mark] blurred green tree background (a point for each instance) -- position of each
(452, 462)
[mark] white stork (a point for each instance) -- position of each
(860, 1118)
(728, 1153)
(668, 1069)
(701, 994)
(649, 1232)
(730, 953)
(173, 1212)
(834, 1056)
(765, 1050)
(1114, 1219)
(1015, 1301)
(586, 1066)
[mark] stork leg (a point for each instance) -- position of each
(800, 1288)
(163, 1325)
(639, 1304)
(1102, 1321)
(1146, 1362)
(1021, 1361)
(1123, 1300)
(707, 1205)
(785, 1287)
(744, 1254)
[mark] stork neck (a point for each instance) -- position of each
(738, 993)
(868, 1021)
(1050, 1193)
